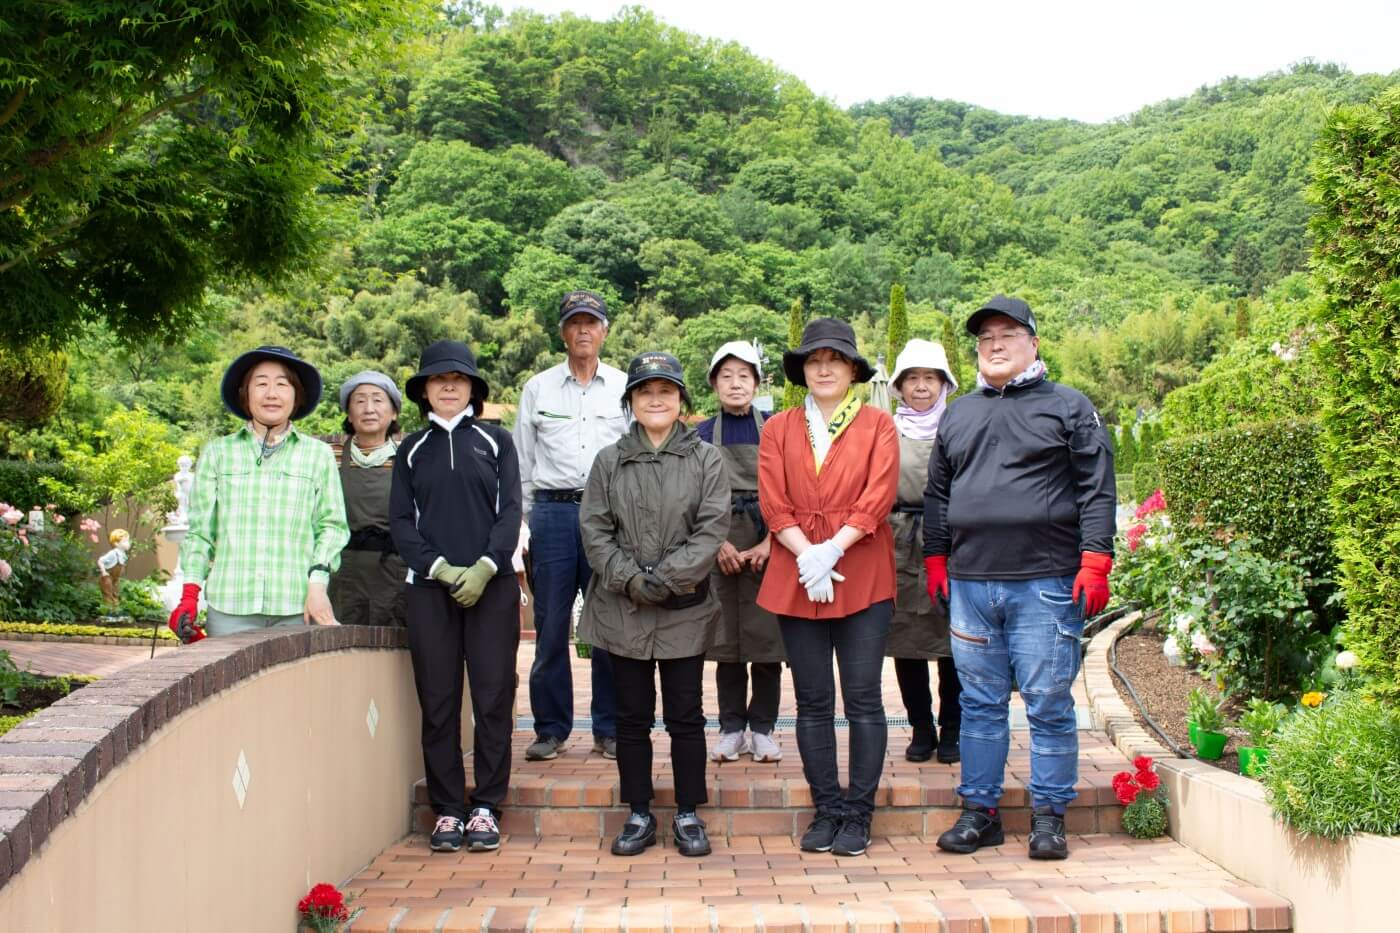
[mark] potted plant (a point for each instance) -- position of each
(1261, 719)
(322, 910)
(1204, 712)
(1144, 799)
(1196, 700)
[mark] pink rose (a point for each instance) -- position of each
(5, 570)
(93, 538)
(58, 519)
(12, 516)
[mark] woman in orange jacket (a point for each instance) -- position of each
(828, 474)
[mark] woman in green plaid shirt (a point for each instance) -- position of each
(267, 517)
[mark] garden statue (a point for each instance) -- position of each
(111, 564)
(183, 480)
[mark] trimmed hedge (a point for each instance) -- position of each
(1263, 480)
(1357, 264)
(110, 631)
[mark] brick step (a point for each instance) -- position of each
(764, 883)
(577, 794)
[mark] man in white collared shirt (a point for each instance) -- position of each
(568, 413)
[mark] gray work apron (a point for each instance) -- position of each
(919, 628)
(368, 587)
(746, 632)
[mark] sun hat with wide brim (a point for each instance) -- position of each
(238, 371)
(741, 350)
(825, 333)
(921, 354)
(446, 356)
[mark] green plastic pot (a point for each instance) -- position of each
(1191, 730)
(1252, 759)
(1210, 745)
(583, 649)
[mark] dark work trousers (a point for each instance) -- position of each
(441, 634)
(858, 642)
(912, 674)
(736, 711)
(561, 572)
(685, 721)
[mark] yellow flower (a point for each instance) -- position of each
(1312, 699)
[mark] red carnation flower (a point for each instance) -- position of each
(1142, 763)
(1127, 793)
(1149, 780)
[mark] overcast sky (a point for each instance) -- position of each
(1086, 59)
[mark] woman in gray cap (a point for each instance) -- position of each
(655, 511)
(368, 588)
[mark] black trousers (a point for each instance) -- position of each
(912, 674)
(441, 635)
(858, 643)
(736, 710)
(685, 721)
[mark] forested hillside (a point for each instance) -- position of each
(504, 161)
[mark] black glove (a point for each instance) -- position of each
(647, 589)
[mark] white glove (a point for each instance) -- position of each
(824, 590)
(818, 561)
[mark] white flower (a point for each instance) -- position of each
(1172, 651)
(1346, 660)
(1182, 622)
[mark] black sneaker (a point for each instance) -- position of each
(689, 832)
(948, 752)
(977, 827)
(544, 748)
(447, 835)
(638, 833)
(1047, 839)
(483, 832)
(854, 836)
(822, 833)
(921, 745)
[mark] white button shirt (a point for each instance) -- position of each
(561, 426)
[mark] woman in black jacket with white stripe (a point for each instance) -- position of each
(454, 514)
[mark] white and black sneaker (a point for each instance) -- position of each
(483, 832)
(447, 835)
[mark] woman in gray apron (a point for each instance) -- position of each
(749, 645)
(368, 587)
(922, 383)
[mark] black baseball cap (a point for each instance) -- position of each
(654, 364)
(1014, 308)
(583, 302)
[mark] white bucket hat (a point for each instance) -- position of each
(741, 350)
(921, 354)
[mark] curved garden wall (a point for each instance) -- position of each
(209, 788)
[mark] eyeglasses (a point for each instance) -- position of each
(986, 340)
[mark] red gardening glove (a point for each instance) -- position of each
(182, 620)
(937, 568)
(1092, 582)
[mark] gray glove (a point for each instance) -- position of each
(647, 589)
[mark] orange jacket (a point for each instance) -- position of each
(856, 487)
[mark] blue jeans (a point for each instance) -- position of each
(858, 641)
(560, 572)
(1029, 630)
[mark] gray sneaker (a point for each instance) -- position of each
(729, 747)
(765, 747)
(544, 748)
(606, 746)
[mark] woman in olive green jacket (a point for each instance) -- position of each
(654, 513)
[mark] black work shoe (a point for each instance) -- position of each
(544, 748)
(921, 745)
(822, 833)
(1047, 835)
(978, 826)
(483, 832)
(689, 832)
(447, 834)
(638, 833)
(854, 836)
(948, 747)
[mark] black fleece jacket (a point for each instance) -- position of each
(456, 496)
(1019, 483)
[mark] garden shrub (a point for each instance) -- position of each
(1357, 265)
(89, 631)
(1146, 477)
(1335, 770)
(21, 483)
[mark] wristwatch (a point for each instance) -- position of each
(316, 567)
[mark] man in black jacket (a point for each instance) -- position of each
(1018, 537)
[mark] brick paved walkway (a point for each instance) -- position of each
(61, 657)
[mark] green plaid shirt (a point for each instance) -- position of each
(263, 526)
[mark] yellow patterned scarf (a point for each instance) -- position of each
(822, 433)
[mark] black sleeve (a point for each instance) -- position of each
(505, 531)
(937, 538)
(403, 525)
(1091, 464)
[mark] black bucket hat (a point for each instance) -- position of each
(238, 370)
(825, 333)
(1014, 308)
(446, 356)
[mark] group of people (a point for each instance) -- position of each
(976, 534)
